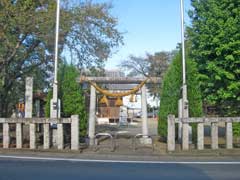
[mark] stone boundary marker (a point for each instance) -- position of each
(200, 131)
(74, 121)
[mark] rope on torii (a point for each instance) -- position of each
(119, 102)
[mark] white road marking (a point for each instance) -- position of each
(120, 161)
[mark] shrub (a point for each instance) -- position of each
(171, 92)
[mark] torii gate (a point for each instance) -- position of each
(116, 80)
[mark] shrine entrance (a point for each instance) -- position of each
(117, 94)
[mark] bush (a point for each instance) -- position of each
(171, 92)
(47, 105)
(236, 129)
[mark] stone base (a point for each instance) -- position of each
(146, 141)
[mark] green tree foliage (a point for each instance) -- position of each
(27, 28)
(71, 96)
(171, 92)
(215, 38)
(73, 101)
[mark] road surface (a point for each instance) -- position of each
(51, 169)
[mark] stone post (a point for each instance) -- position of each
(214, 135)
(200, 136)
(60, 141)
(74, 132)
(32, 134)
(19, 135)
(28, 97)
(6, 137)
(229, 135)
(185, 136)
(180, 122)
(171, 133)
(92, 116)
(144, 111)
(46, 136)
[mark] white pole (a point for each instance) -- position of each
(55, 84)
(184, 85)
(183, 44)
(186, 129)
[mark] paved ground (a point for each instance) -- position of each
(13, 169)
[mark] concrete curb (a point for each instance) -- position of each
(173, 156)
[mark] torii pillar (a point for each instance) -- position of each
(145, 139)
(92, 116)
(144, 111)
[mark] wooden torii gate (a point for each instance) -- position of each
(116, 80)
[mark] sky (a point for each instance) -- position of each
(148, 26)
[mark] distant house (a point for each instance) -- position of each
(39, 101)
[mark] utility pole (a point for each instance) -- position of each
(55, 103)
(183, 103)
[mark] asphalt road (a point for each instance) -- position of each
(12, 169)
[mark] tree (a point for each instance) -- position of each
(152, 65)
(27, 27)
(215, 39)
(136, 66)
(171, 92)
(71, 95)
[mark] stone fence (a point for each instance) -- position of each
(200, 121)
(32, 122)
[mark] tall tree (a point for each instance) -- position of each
(171, 92)
(215, 38)
(72, 97)
(87, 32)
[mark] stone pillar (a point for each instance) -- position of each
(74, 132)
(19, 135)
(185, 111)
(185, 136)
(171, 133)
(145, 139)
(6, 137)
(214, 135)
(179, 122)
(46, 136)
(200, 136)
(92, 116)
(60, 142)
(32, 134)
(229, 135)
(144, 111)
(28, 97)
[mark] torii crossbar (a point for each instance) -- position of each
(120, 80)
